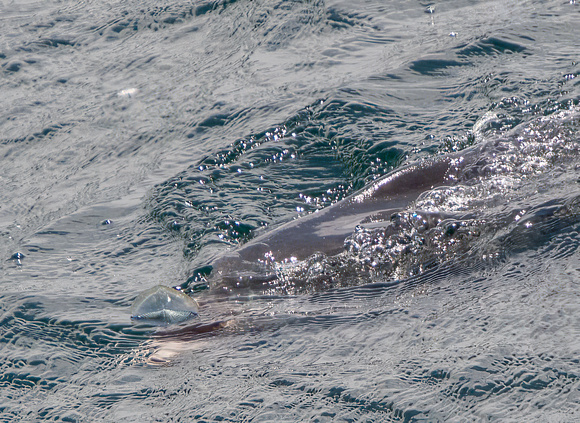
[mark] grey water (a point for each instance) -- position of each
(141, 140)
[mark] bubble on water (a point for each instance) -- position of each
(162, 304)
(129, 92)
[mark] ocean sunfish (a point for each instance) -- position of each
(323, 231)
(526, 150)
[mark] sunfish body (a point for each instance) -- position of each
(326, 230)
(323, 231)
(528, 150)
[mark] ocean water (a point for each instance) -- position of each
(141, 140)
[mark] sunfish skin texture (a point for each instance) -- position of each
(325, 231)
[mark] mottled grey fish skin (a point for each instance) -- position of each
(325, 231)
(525, 151)
(253, 265)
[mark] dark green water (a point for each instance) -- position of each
(139, 141)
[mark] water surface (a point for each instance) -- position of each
(140, 140)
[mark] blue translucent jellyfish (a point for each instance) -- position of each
(162, 304)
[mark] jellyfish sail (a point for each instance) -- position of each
(162, 304)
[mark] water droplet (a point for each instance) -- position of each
(17, 257)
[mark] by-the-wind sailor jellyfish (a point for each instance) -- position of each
(162, 304)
